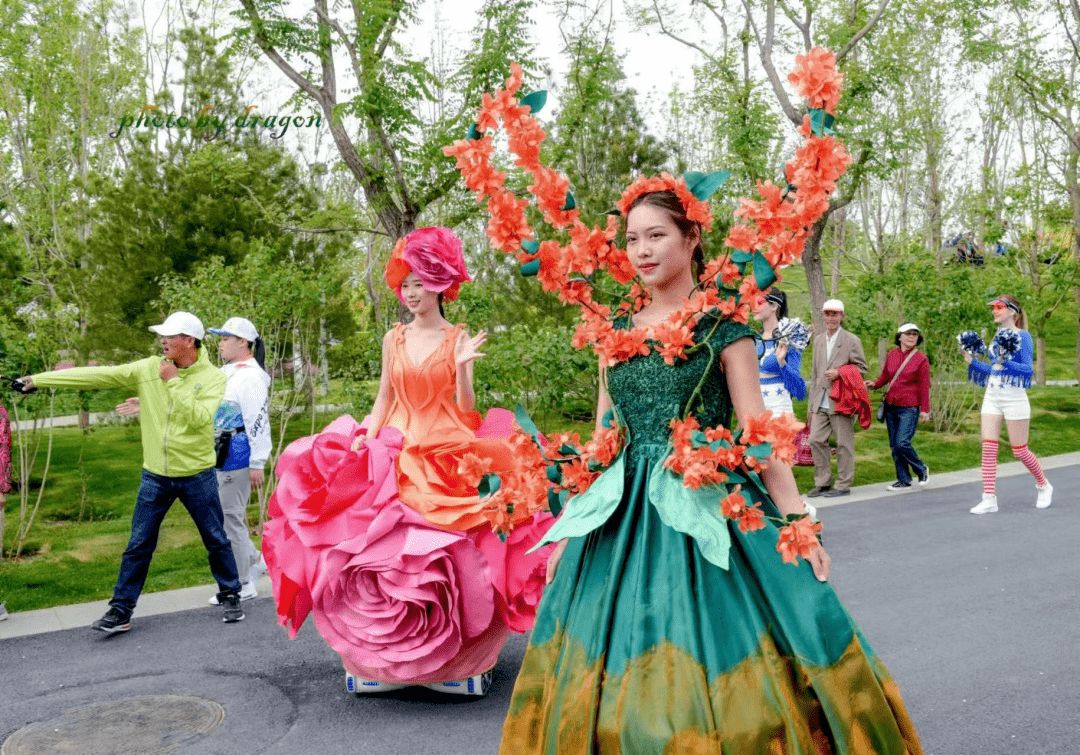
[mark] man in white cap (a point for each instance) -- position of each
(833, 349)
(179, 392)
(242, 428)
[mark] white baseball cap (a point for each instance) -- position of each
(240, 327)
(833, 305)
(908, 326)
(180, 324)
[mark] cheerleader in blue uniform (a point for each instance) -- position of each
(779, 349)
(1007, 376)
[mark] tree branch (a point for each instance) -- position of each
(863, 31)
(765, 47)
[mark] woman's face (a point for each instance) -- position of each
(658, 250)
(764, 310)
(418, 299)
(1002, 314)
(909, 340)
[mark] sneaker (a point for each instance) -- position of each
(925, 476)
(819, 490)
(247, 592)
(112, 622)
(898, 486)
(1045, 492)
(988, 505)
(837, 493)
(233, 611)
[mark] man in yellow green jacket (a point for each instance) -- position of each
(178, 395)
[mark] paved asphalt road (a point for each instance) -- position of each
(978, 619)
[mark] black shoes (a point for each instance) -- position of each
(820, 490)
(836, 493)
(112, 622)
(233, 611)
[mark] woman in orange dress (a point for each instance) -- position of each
(379, 529)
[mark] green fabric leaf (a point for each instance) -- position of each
(764, 275)
(570, 203)
(821, 123)
(609, 419)
(760, 451)
(530, 268)
(535, 101)
(554, 474)
(532, 246)
(704, 185)
(474, 132)
(740, 257)
(692, 512)
(526, 423)
(489, 485)
(554, 502)
(591, 508)
(567, 450)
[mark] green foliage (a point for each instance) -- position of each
(537, 368)
(215, 202)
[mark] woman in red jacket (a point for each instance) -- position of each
(907, 402)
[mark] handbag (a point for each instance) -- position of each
(803, 455)
(881, 406)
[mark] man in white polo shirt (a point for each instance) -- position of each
(242, 439)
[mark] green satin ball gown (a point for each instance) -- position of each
(644, 646)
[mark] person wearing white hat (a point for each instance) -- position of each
(178, 392)
(833, 349)
(906, 378)
(242, 438)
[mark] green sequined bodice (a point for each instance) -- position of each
(648, 393)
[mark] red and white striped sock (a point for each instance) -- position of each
(1023, 453)
(989, 465)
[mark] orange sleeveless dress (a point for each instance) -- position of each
(437, 434)
(388, 549)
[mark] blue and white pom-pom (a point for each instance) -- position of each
(1006, 344)
(971, 342)
(794, 331)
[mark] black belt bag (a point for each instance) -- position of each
(222, 444)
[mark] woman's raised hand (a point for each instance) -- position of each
(468, 351)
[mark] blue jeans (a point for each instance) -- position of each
(199, 494)
(901, 422)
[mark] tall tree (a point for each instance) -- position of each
(396, 162)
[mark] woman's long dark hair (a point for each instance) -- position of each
(669, 202)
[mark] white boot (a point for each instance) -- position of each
(987, 506)
(1045, 492)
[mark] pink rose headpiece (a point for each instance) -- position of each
(435, 255)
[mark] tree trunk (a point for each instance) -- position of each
(1040, 360)
(815, 274)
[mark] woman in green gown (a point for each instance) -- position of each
(646, 641)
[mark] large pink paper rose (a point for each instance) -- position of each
(326, 490)
(519, 577)
(326, 493)
(435, 255)
(408, 602)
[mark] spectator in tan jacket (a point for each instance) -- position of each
(833, 349)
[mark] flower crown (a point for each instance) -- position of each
(696, 209)
(435, 255)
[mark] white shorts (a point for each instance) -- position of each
(1010, 403)
(777, 399)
